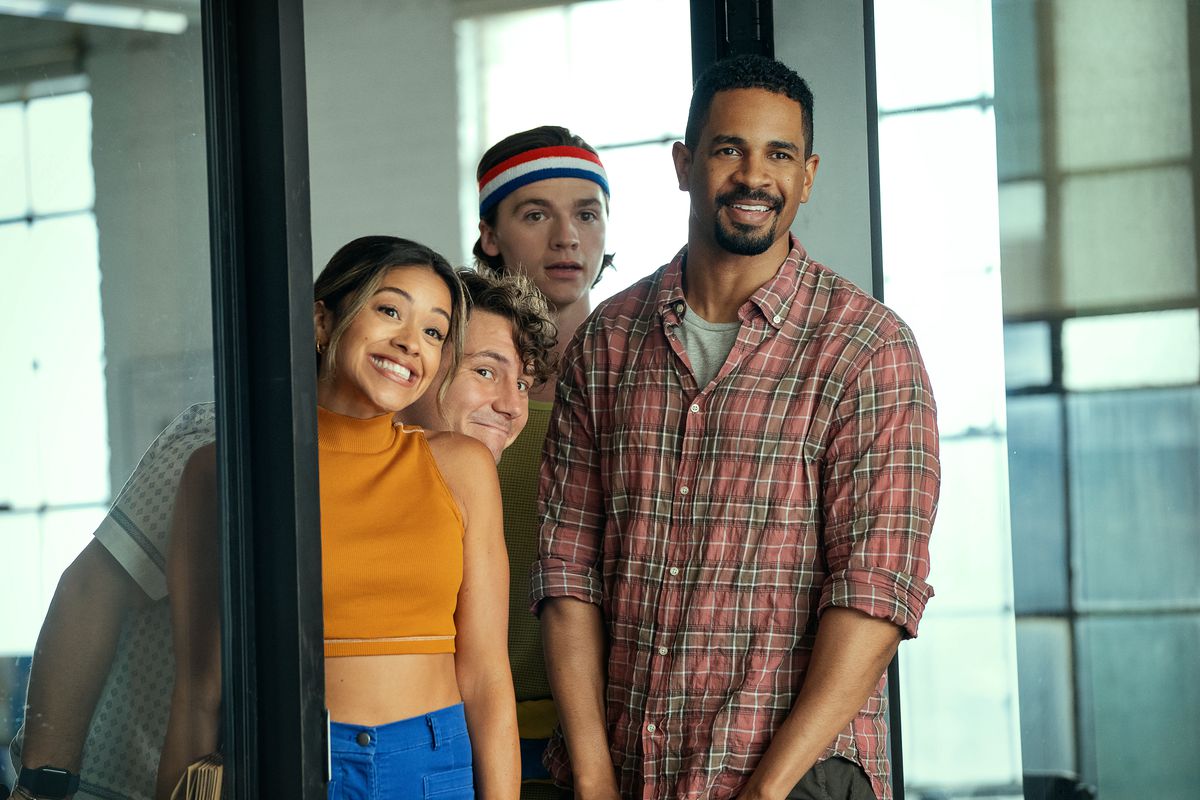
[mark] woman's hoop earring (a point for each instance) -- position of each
(320, 348)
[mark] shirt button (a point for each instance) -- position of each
(650, 728)
(695, 407)
(363, 738)
(776, 319)
(683, 490)
(674, 571)
(662, 651)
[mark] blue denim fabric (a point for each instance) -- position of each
(422, 757)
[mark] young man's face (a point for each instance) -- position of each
(747, 175)
(553, 231)
(488, 398)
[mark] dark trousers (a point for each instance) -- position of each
(834, 779)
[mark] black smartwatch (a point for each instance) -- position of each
(50, 783)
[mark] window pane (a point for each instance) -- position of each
(568, 64)
(20, 477)
(60, 153)
(21, 590)
(112, 271)
(645, 177)
(14, 180)
(940, 254)
(1038, 502)
(916, 39)
(937, 179)
(1155, 349)
(1028, 285)
(1135, 474)
(974, 488)
(1027, 355)
(1047, 696)
(1018, 93)
(1140, 701)
(1128, 238)
(1121, 81)
(960, 666)
(965, 655)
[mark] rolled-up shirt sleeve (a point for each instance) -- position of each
(571, 493)
(880, 489)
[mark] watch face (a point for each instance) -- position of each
(48, 782)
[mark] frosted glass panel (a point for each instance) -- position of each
(1128, 238)
(1121, 79)
(650, 84)
(971, 531)
(1139, 692)
(1129, 350)
(1135, 478)
(1028, 284)
(19, 471)
(1047, 695)
(960, 666)
(1027, 355)
(60, 153)
(646, 177)
(14, 182)
(64, 250)
(917, 39)
(1018, 92)
(937, 179)
(21, 589)
(1038, 502)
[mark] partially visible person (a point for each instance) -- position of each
(103, 669)
(543, 213)
(740, 481)
(507, 353)
(417, 680)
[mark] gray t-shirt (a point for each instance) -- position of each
(707, 344)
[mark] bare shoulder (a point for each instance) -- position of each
(459, 457)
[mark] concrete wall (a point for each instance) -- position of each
(148, 153)
(383, 127)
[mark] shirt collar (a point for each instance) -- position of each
(772, 299)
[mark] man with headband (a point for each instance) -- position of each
(543, 212)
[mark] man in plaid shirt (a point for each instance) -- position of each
(740, 479)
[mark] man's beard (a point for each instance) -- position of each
(742, 240)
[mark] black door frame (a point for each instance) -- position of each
(256, 119)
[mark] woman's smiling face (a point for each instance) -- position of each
(390, 353)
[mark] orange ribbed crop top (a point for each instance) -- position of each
(391, 540)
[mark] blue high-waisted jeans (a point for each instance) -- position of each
(422, 757)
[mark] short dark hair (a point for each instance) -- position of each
(515, 298)
(747, 72)
(514, 145)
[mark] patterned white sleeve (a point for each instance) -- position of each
(139, 521)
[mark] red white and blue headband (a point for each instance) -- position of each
(540, 164)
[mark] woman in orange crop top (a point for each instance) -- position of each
(414, 568)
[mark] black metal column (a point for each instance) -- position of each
(273, 732)
(723, 28)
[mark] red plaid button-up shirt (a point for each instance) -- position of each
(713, 524)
